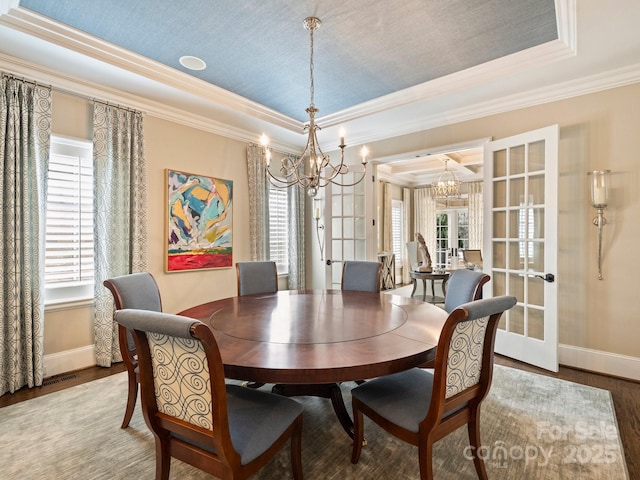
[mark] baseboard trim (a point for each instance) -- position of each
(69, 360)
(597, 361)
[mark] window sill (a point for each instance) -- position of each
(67, 304)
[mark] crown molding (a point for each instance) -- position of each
(562, 48)
(89, 90)
(621, 77)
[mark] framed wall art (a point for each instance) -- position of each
(199, 222)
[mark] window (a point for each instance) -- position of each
(452, 234)
(397, 229)
(68, 267)
(279, 228)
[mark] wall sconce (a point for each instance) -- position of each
(599, 182)
(316, 215)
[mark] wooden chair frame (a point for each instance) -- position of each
(439, 422)
(129, 355)
(225, 463)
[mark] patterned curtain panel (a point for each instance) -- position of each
(258, 204)
(25, 131)
(296, 240)
(120, 213)
(475, 215)
(425, 217)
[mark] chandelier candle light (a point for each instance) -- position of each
(316, 215)
(313, 169)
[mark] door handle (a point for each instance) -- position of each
(547, 277)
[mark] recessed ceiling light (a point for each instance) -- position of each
(192, 63)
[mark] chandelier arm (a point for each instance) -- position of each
(277, 182)
(362, 175)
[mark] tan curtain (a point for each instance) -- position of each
(387, 229)
(424, 217)
(406, 200)
(475, 215)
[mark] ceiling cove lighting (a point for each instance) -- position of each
(448, 186)
(313, 169)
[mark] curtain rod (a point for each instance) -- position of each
(68, 92)
(22, 79)
(128, 109)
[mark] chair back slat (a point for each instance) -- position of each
(464, 362)
(361, 276)
(181, 379)
(257, 277)
(464, 286)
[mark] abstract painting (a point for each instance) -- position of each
(199, 222)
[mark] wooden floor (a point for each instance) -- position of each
(626, 398)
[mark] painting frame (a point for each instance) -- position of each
(198, 222)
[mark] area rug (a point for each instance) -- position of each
(533, 427)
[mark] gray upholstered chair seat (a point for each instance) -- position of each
(257, 419)
(404, 397)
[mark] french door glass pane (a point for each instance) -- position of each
(536, 156)
(516, 160)
(500, 163)
(535, 323)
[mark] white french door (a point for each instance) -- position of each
(520, 242)
(350, 234)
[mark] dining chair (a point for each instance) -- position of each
(412, 255)
(226, 430)
(361, 276)
(136, 290)
(464, 286)
(472, 258)
(256, 277)
(420, 406)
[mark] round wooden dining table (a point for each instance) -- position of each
(308, 341)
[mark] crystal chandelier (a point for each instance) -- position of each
(448, 186)
(313, 169)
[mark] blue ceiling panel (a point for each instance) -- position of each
(364, 49)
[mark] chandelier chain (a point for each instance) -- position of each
(311, 29)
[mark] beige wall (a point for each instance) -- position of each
(598, 131)
(167, 145)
